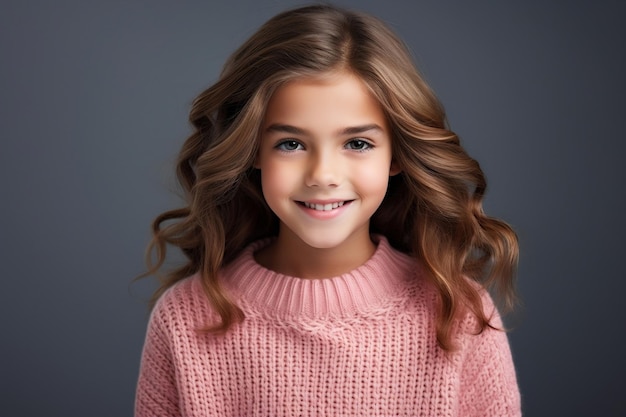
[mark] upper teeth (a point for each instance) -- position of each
(323, 207)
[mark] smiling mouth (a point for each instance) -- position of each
(323, 207)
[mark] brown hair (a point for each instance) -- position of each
(432, 211)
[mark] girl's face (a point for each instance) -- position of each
(325, 161)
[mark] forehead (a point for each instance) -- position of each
(333, 100)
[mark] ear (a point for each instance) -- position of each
(394, 169)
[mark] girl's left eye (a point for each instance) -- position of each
(358, 145)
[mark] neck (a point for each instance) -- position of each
(291, 256)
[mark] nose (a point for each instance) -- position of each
(324, 170)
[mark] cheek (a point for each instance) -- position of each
(375, 186)
(276, 181)
(373, 179)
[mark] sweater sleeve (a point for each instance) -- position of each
(156, 389)
(488, 381)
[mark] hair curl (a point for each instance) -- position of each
(432, 210)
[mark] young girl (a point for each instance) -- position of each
(337, 251)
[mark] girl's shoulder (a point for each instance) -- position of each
(489, 308)
(184, 290)
(184, 302)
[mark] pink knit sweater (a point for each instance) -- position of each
(359, 344)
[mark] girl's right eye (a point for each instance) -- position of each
(289, 146)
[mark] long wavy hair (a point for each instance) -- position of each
(432, 210)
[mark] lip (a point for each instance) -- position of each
(325, 209)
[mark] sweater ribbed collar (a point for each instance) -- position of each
(370, 285)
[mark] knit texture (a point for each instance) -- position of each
(360, 344)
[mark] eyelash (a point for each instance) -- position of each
(366, 146)
(281, 144)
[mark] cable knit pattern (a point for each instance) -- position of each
(360, 344)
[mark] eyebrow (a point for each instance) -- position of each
(352, 130)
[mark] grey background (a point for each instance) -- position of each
(94, 99)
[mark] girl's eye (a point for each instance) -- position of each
(358, 145)
(289, 146)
